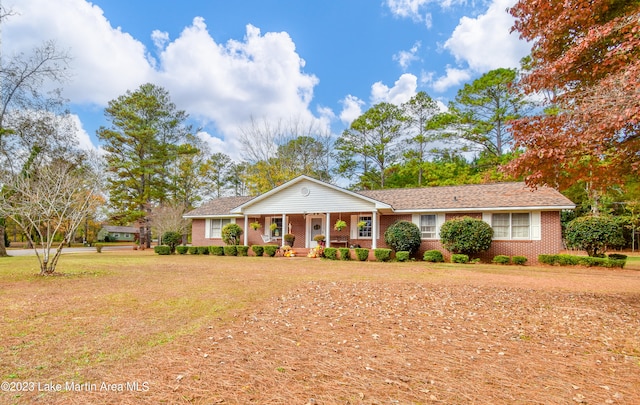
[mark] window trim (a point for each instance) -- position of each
(435, 226)
(510, 235)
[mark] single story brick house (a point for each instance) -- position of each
(119, 233)
(526, 222)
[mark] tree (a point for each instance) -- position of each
(466, 235)
(22, 80)
(371, 145)
(277, 151)
(420, 112)
(50, 202)
(586, 60)
(594, 234)
(141, 145)
(482, 112)
(217, 172)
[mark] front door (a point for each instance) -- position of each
(316, 227)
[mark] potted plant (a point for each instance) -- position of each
(255, 225)
(274, 229)
(340, 225)
(289, 239)
(319, 239)
(362, 224)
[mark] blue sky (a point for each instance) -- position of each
(223, 62)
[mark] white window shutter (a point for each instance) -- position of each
(415, 218)
(233, 220)
(536, 225)
(440, 219)
(267, 224)
(207, 228)
(354, 227)
(486, 217)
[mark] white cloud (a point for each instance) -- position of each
(453, 77)
(485, 43)
(352, 109)
(412, 9)
(404, 58)
(106, 61)
(160, 38)
(403, 89)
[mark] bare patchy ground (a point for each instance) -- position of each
(303, 331)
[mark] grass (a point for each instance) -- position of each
(106, 312)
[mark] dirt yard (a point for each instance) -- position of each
(205, 330)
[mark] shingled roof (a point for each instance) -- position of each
(217, 206)
(497, 195)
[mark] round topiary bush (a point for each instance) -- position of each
(594, 234)
(231, 234)
(172, 239)
(258, 250)
(466, 235)
(403, 236)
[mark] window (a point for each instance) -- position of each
(215, 230)
(511, 226)
(428, 226)
(364, 231)
(277, 230)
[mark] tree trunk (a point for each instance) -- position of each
(3, 248)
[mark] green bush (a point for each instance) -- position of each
(594, 234)
(382, 255)
(362, 254)
(231, 250)
(193, 250)
(270, 250)
(459, 258)
(501, 259)
(589, 261)
(345, 253)
(403, 256)
(466, 235)
(162, 250)
(258, 250)
(215, 250)
(243, 250)
(99, 247)
(182, 250)
(434, 256)
(203, 250)
(231, 234)
(403, 236)
(617, 256)
(331, 253)
(519, 260)
(172, 239)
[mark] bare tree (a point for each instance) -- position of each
(168, 218)
(49, 204)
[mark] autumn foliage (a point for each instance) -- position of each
(585, 60)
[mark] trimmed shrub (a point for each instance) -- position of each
(193, 250)
(594, 234)
(345, 253)
(459, 258)
(362, 254)
(382, 255)
(216, 250)
(501, 259)
(270, 250)
(243, 250)
(231, 234)
(331, 253)
(258, 250)
(403, 236)
(203, 250)
(182, 250)
(519, 260)
(433, 256)
(589, 261)
(617, 256)
(162, 250)
(172, 239)
(231, 250)
(466, 235)
(403, 256)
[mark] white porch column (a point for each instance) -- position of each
(374, 230)
(327, 231)
(284, 229)
(246, 230)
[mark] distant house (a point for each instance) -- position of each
(118, 233)
(526, 222)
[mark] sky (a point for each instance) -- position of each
(227, 62)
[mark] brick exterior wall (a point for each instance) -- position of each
(550, 230)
